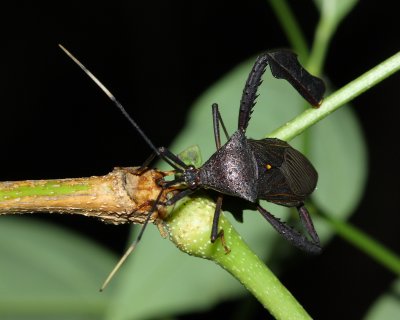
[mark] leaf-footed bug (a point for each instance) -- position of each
(267, 169)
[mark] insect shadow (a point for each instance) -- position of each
(267, 169)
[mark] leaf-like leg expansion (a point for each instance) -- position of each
(284, 65)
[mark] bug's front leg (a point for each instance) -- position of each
(215, 234)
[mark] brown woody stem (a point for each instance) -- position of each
(122, 196)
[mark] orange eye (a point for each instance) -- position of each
(268, 166)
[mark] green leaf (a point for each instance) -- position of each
(338, 151)
(387, 306)
(49, 273)
(160, 280)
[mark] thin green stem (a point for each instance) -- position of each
(338, 99)
(292, 29)
(323, 34)
(365, 243)
(332, 13)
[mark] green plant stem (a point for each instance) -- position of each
(365, 243)
(190, 227)
(292, 29)
(338, 99)
(332, 12)
(323, 34)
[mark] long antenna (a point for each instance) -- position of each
(152, 146)
(117, 103)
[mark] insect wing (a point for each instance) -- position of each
(285, 176)
(299, 172)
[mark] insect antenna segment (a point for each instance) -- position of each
(164, 154)
(119, 106)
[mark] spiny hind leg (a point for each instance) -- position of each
(291, 235)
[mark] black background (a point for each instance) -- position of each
(157, 57)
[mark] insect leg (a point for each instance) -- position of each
(135, 243)
(250, 95)
(172, 159)
(215, 234)
(290, 234)
(167, 156)
(217, 119)
(307, 223)
(143, 168)
(179, 196)
(284, 65)
(214, 229)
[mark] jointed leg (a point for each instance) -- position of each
(217, 119)
(135, 243)
(290, 234)
(172, 159)
(166, 155)
(215, 234)
(307, 223)
(146, 164)
(179, 196)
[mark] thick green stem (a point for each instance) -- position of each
(190, 228)
(338, 99)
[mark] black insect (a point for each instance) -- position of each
(267, 169)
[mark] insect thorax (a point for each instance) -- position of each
(232, 170)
